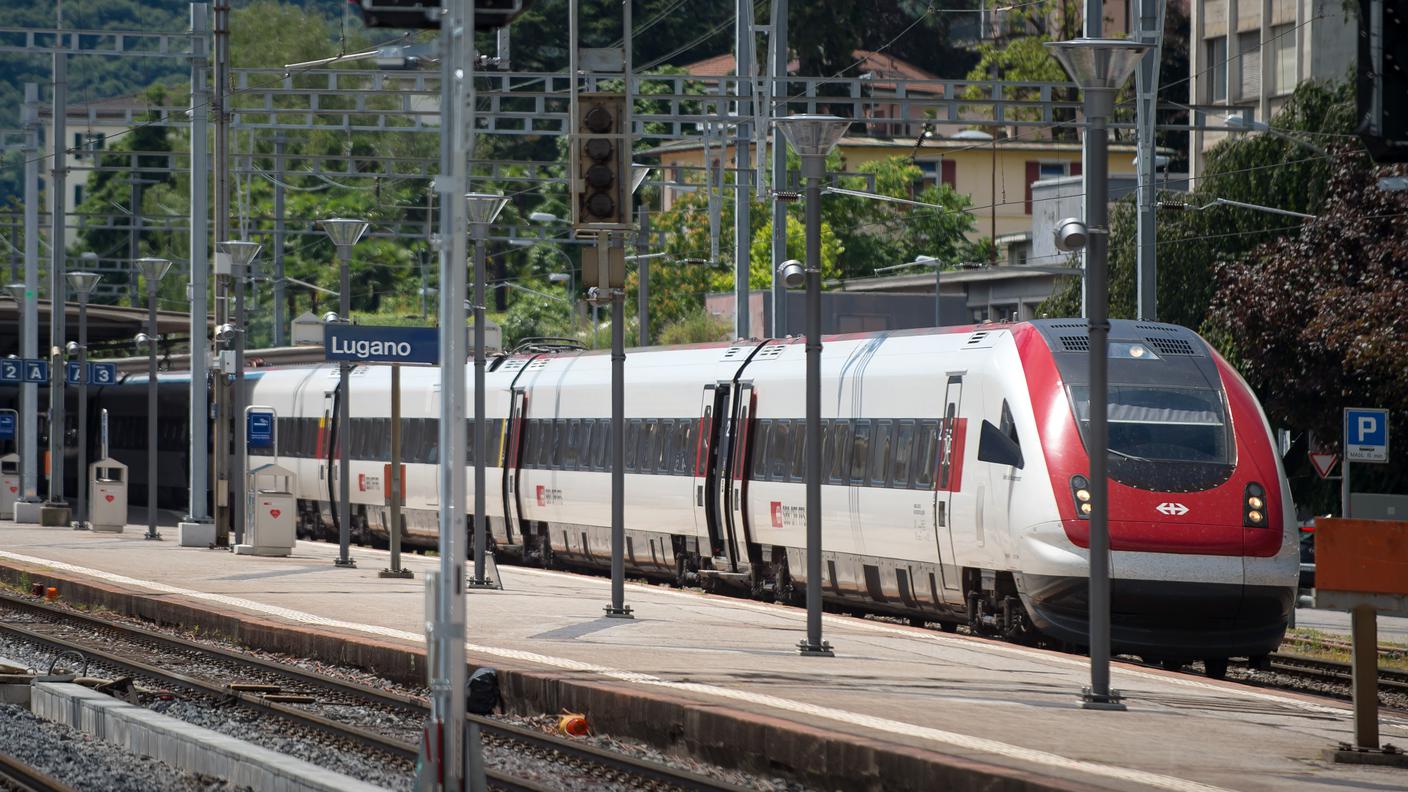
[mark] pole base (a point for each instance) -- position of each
(623, 612)
(80, 525)
(396, 573)
(809, 649)
(1388, 756)
(152, 535)
(1094, 701)
(55, 515)
(471, 582)
(347, 563)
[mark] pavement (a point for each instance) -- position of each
(1392, 629)
(955, 700)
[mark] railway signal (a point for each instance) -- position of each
(425, 14)
(601, 155)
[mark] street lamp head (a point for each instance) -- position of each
(343, 231)
(88, 255)
(1071, 235)
(16, 291)
(241, 253)
(544, 217)
(793, 273)
(72, 347)
(813, 135)
(153, 269)
(82, 283)
(559, 277)
(331, 317)
(1098, 63)
(142, 339)
(225, 333)
(484, 208)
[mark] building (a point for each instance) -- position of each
(1255, 62)
(846, 311)
(89, 127)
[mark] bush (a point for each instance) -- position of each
(697, 327)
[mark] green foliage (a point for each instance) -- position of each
(696, 327)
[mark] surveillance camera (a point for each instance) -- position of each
(72, 347)
(225, 333)
(1071, 234)
(794, 275)
(331, 317)
(142, 339)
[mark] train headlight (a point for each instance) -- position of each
(1254, 506)
(1080, 491)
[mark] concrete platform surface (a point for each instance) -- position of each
(966, 699)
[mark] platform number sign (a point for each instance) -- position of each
(36, 371)
(72, 373)
(11, 370)
(102, 373)
(1365, 434)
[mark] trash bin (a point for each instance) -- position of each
(272, 512)
(107, 495)
(9, 485)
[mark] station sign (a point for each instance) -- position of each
(380, 344)
(9, 421)
(98, 373)
(1365, 434)
(36, 371)
(259, 429)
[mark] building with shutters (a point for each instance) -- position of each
(1251, 54)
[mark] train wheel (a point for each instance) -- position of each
(1172, 665)
(1215, 667)
(948, 626)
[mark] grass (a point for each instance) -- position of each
(1321, 645)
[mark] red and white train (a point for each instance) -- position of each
(954, 486)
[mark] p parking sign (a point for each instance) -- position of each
(1365, 434)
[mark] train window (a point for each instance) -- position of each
(632, 438)
(926, 454)
(649, 445)
(903, 452)
(600, 443)
(571, 444)
(880, 453)
(684, 454)
(669, 445)
(797, 468)
(1162, 423)
(860, 451)
(947, 438)
(840, 451)
(779, 453)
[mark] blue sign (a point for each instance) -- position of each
(98, 373)
(36, 371)
(102, 373)
(1365, 434)
(372, 344)
(11, 370)
(259, 431)
(8, 419)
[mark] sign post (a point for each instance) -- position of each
(1365, 440)
(395, 481)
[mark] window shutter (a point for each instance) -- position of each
(1075, 169)
(948, 173)
(1033, 173)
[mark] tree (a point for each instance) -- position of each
(1318, 319)
(1259, 169)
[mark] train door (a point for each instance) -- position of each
(945, 481)
(734, 482)
(707, 467)
(328, 438)
(513, 510)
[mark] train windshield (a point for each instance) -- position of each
(1162, 423)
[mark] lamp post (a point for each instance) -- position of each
(483, 209)
(1099, 67)
(241, 254)
(29, 403)
(82, 283)
(153, 270)
(812, 137)
(344, 233)
(926, 261)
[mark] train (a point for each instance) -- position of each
(955, 484)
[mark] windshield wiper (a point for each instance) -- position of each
(1129, 456)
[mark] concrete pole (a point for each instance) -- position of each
(82, 478)
(481, 450)
(56, 510)
(1099, 104)
(1364, 670)
(223, 416)
(643, 273)
(742, 159)
(814, 170)
(344, 424)
(134, 236)
(280, 319)
(448, 625)
(197, 509)
(239, 274)
(151, 410)
(29, 338)
(1146, 81)
(618, 609)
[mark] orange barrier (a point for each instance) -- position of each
(1361, 556)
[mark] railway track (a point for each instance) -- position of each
(16, 776)
(1333, 671)
(607, 765)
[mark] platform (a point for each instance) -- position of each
(723, 674)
